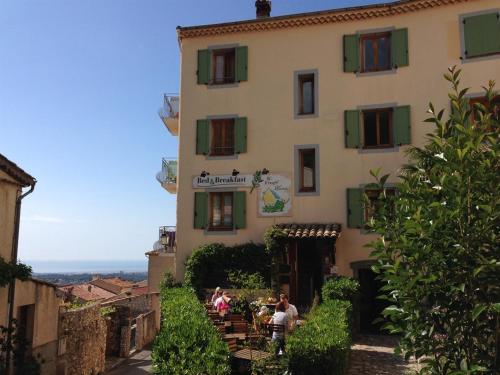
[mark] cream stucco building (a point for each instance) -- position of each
(35, 303)
(312, 102)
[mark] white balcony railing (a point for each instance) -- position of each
(166, 240)
(169, 113)
(167, 177)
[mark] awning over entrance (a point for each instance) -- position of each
(310, 230)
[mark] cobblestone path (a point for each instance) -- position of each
(374, 355)
(138, 364)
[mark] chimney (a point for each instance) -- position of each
(90, 288)
(263, 8)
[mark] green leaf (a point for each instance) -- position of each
(477, 311)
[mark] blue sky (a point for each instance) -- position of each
(80, 86)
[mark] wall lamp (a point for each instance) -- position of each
(235, 173)
(204, 174)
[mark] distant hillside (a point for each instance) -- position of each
(77, 278)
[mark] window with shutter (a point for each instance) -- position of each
(241, 64)
(399, 48)
(351, 53)
(402, 125)
(352, 133)
(240, 141)
(200, 210)
(202, 132)
(481, 35)
(355, 208)
(203, 72)
(240, 209)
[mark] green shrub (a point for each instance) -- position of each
(322, 345)
(188, 343)
(343, 288)
(209, 265)
(437, 248)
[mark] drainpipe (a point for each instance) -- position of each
(12, 284)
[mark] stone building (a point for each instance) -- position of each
(35, 303)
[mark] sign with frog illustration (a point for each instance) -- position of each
(274, 195)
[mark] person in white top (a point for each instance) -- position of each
(290, 310)
(280, 319)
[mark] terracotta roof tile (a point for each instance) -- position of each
(293, 230)
(314, 18)
(87, 292)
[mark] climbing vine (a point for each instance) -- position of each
(274, 239)
(10, 270)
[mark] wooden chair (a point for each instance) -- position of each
(221, 328)
(231, 343)
(236, 318)
(240, 327)
(278, 328)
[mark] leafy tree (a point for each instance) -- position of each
(438, 248)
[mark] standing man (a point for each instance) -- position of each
(291, 311)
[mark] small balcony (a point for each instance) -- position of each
(166, 240)
(169, 113)
(167, 177)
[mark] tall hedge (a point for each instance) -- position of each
(209, 265)
(343, 288)
(322, 345)
(188, 343)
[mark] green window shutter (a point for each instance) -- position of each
(203, 66)
(351, 53)
(240, 136)
(240, 210)
(241, 64)
(200, 210)
(352, 133)
(401, 125)
(399, 48)
(482, 34)
(355, 208)
(202, 127)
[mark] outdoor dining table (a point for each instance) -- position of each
(238, 336)
(251, 355)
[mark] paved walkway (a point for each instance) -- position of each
(374, 355)
(138, 364)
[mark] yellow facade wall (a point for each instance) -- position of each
(266, 99)
(158, 264)
(9, 190)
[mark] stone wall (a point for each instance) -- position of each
(148, 328)
(83, 332)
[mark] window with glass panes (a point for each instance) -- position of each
(306, 94)
(307, 159)
(221, 211)
(223, 66)
(377, 128)
(222, 137)
(375, 52)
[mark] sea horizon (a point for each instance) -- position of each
(78, 266)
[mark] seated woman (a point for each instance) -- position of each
(222, 305)
(280, 319)
(217, 294)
